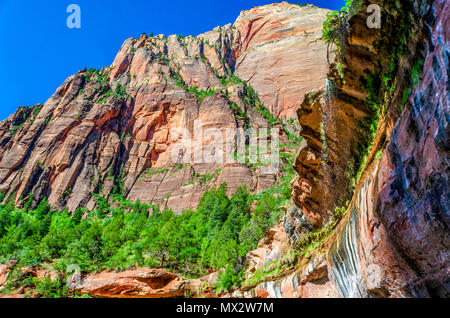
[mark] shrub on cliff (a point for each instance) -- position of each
(335, 28)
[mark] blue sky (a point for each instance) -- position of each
(38, 52)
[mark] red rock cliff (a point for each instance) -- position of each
(393, 240)
(369, 216)
(112, 129)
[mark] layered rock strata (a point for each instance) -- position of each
(393, 240)
(112, 131)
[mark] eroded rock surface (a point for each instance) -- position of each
(115, 130)
(140, 283)
(393, 241)
(282, 54)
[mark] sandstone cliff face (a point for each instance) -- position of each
(140, 283)
(393, 240)
(112, 130)
(362, 223)
(281, 54)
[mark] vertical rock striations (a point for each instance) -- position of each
(111, 131)
(369, 216)
(282, 54)
(394, 238)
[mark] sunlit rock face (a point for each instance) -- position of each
(101, 132)
(281, 54)
(312, 281)
(138, 283)
(274, 245)
(393, 241)
(394, 238)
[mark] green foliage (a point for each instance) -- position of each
(252, 100)
(123, 235)
(120, 234)
(201, 94)
(228, 279)
(149, 172)
(237, 110)
(39, 287)
(100, 78)
(405, 96)
(15, 128)
(48, 288)
(416, 72)
(381, 86)
(272, 270)
(315, 239)
(379, 154)
(36, 110)
(120, 92)
(301, 4)
(335, 27)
